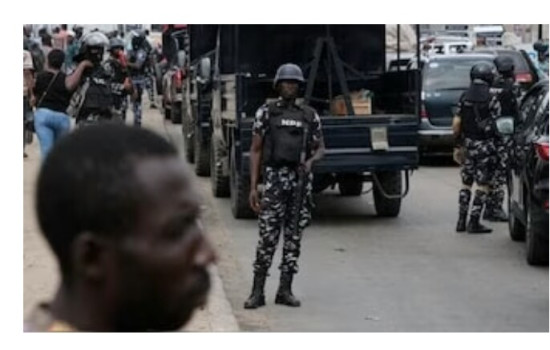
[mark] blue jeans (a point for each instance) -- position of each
(50, 126)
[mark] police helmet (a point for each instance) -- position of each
(138, 38)
(288, 71)
(115, 43)
(482, 71)
(504, 64)
(541, 46)
(95, 39)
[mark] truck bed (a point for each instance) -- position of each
(349, 147)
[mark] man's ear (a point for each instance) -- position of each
(90, 256)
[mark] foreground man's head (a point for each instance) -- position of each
(119, 210)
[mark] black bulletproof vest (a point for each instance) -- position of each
(98, 97)
(476, 125)
(284, 139)
(507, 97)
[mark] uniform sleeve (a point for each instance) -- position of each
(316, 127)
(260, 121)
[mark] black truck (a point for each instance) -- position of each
(231, 75)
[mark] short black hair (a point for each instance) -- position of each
(46, 39)
(87, 184)
(64, 27)
(56, 58)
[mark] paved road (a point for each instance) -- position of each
(412, 273)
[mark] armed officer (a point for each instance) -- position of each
(137, 65)
(507, 90)
(286, 141)
(121, 84)
(474, 129)
(93, 100)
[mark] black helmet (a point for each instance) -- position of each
(115, 43)
(288, 71)
(541, 46)
(482, 71)
(138, 39)
(504, 64)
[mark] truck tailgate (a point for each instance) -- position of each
(349, 143)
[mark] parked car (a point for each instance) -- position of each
(525, 71)
(444, 79)
(528, 176)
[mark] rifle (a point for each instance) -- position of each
(301, 181)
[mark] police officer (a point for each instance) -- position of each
(507, 90)
(474, 130)
(542, 55)
(93, 100)
(137, 65)
(121, 85)
(284, 134)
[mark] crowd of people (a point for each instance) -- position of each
(87, 76)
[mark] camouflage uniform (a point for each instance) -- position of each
(508, 93)
(139, 78)
(278, 205)
(479, 162)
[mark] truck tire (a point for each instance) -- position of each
(175, 113)
(516, 228)
(240, 190)
(351, 186)
(392, 184)
(220, 183)
(537, 247)
(202, 154)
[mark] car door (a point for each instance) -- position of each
(528, 111)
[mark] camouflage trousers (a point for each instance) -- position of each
(149, 81)
(496, 194)
(478, 166)
(479, 159)
(139, 84)
(278, 208)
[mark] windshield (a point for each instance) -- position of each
(449, 74)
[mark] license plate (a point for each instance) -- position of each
(379, 139)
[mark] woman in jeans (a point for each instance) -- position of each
(53, 90)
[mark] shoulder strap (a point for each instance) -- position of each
(47, 89)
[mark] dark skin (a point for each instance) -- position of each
(149, 279)
(288, 90)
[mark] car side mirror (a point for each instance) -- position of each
(505, 125)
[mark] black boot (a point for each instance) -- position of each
(257, 297)
(477, 207)
(475, 227)
(499, 215)
(461, 223)
(284, 294)
(463, 206)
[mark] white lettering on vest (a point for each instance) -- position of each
(291, 122)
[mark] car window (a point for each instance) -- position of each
(541, 124)
(520, 65)
(449, 74)
(531, 106)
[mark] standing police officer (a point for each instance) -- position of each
(474, 130)
(507, 91)
(93, 100)
(137, 64)
(284, 135)
(121, 85)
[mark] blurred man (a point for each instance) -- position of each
(119, 209)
